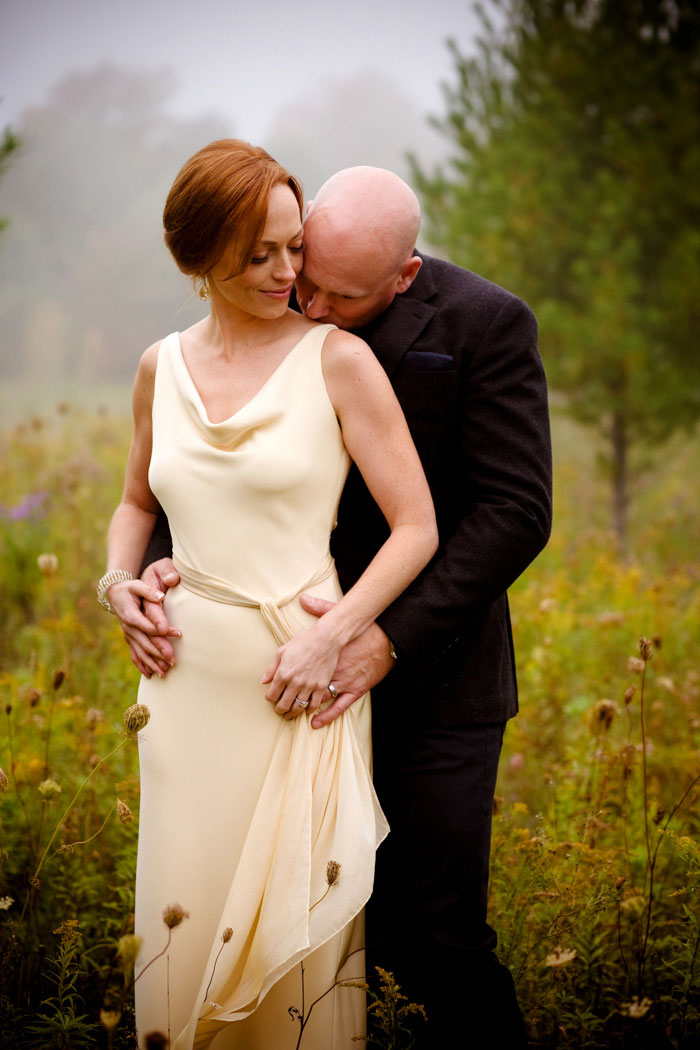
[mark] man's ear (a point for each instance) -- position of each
(408, 274)
(309, 206)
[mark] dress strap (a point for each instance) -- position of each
(274, 611)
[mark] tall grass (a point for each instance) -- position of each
(596, 869)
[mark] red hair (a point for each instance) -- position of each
(221, 194)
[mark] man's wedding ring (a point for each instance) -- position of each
(333, 691)
(302, 703)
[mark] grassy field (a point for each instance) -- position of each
(596, 867)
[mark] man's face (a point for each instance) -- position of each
(340, 286)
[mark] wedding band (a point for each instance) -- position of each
(302, 703)
(333, 691)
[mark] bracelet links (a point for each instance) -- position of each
(115, 576)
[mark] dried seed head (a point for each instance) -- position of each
(59, 678)
(560, 957)
(629, 693)
(109, 1019)
(227, 935)
(635, 665)
(646, 649)
(128, 948)
(93, 715)
(34, 696)
(173, 915)
(156, 1041)
(48, 564)
(6, 903)
(49, 788)
(602, 715)
(3, 780)
(123, 812)
(135, 718)
(332, 872)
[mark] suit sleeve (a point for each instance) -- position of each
(504, 473)
(160, 544)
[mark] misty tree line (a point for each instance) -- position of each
(572, 178)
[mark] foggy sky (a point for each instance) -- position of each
(244, 62)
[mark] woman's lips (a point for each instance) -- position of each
(281, 293)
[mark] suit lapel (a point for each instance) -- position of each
(395, 331)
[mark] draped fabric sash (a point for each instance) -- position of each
(317, 804)
(274, 611)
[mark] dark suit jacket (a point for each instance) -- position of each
(462, 357)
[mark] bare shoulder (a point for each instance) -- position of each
(144, 383)
(344, 355)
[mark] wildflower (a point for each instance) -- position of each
(34, 696)
(123, 812)
(27, 508)
(517, 761)
(227, 935)
(6, 903)
(332, 872)
(629, 693)
(135, 718)
(560, 957)
(547, 604)
(110, 1018)
(49, 788)
(646, 649)
(3, 780)
(93, 715)
(602, 715)
(128, 947)
(59, 677)
(636, 1008)
(635, 665)
(173, 915)
(48, 564)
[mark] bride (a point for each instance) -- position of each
(260, 831)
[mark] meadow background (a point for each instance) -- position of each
(571, 174)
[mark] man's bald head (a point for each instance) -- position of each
(359, 237)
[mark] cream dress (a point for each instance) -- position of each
(241, 811)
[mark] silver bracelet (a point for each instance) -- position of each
(115, 576)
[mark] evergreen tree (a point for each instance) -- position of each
(575, 181)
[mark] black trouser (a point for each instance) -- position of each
(426, 921)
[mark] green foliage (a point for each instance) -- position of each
(391, 1018)
(8, 146)
(574, 181)
(595, 840)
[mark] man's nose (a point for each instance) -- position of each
(316, 306)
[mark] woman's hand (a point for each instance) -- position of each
(301, 670)
(125, 599)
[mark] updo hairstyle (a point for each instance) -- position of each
(221, 195)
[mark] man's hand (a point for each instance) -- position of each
(147, 630)
(362, 664)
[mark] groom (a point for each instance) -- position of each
(462, 357)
